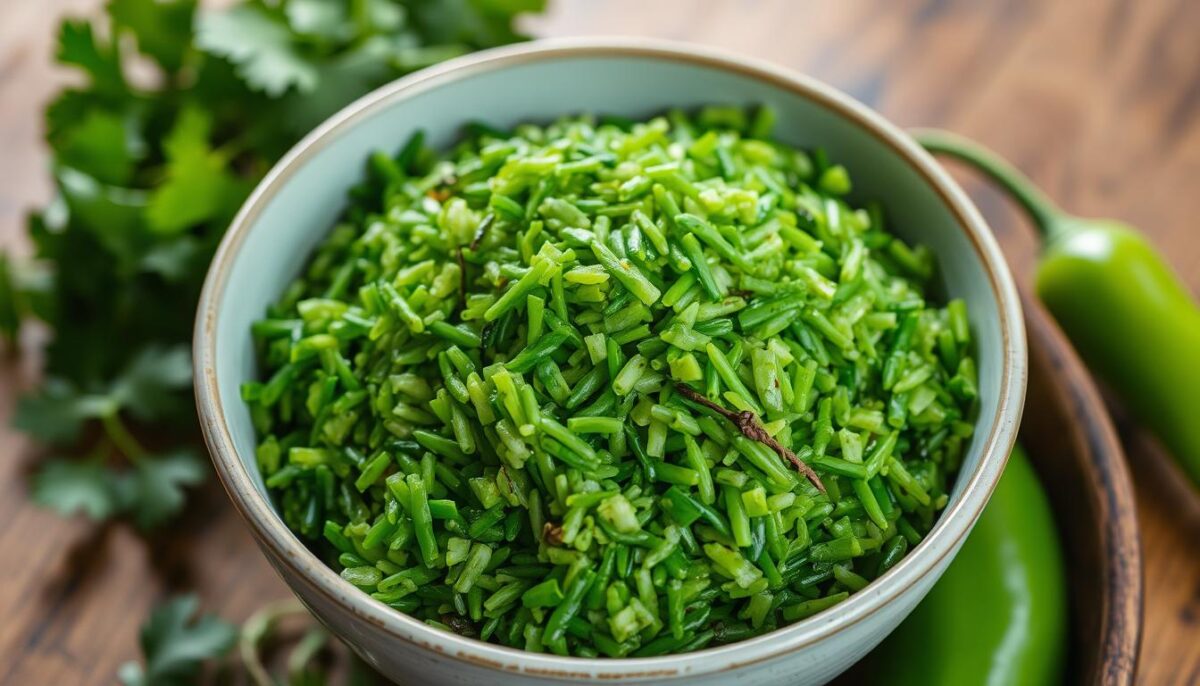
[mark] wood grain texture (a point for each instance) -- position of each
(1098, 100)
(1079, 461)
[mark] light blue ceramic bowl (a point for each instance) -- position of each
(295, 206)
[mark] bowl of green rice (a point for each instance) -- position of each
(609, 360)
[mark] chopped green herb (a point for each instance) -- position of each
(625, 389)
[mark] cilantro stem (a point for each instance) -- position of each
(120, 436)
(255, 630)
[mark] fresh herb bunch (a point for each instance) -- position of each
(180, 112)
(620, 389)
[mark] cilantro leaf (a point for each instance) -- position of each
(324, 19)
(344, 79)
(102, 144)
(261, 46)
(199, 185)
(149, 387)
(163, 28)
(77, 46)
(479, 23)
(69, 487)
(153, 493)
(113, 215)
(150, 493)
(149, 174)
(55, 413)
(67, 110)
(175, 259)
(174, 647)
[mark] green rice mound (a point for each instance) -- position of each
(555, 388)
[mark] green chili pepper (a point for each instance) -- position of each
(1117, 299)
(998, 614)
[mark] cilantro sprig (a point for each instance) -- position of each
(175, 645)
(280, 643)
(180, 112)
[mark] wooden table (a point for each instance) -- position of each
(1099, 100)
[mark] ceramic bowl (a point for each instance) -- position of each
(299, 200)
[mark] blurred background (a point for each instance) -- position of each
(1098, 101)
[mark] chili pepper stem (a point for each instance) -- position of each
(1046, 216)
(1099, 275)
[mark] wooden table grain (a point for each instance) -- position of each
(1098, 100)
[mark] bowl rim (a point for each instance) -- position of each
(948, 532)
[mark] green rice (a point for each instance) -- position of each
(558, 389)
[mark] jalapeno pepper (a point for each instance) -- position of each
(1130, 317)
(998, 615)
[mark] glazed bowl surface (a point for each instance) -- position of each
(300, 199)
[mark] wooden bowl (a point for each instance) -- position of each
(1079, 459)
(1075, 451)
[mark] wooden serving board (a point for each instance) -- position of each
(1099, 100)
